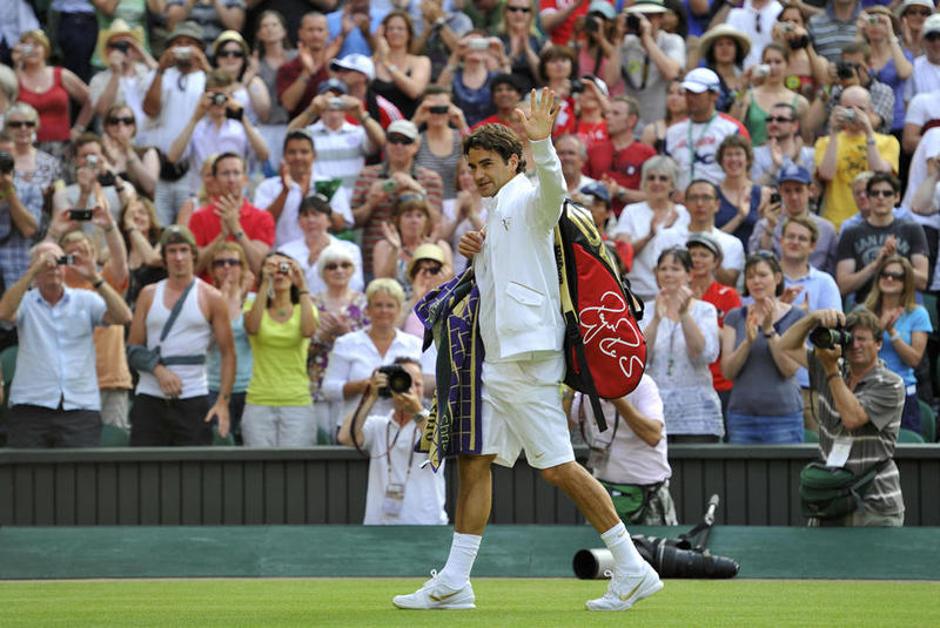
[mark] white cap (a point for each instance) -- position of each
(701, 80)
(355, 62)
(932, 24)
(403, 127)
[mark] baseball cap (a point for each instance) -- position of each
(703, 239)
(701, 80)
(793, 172)
(597, 190)
(189, 29)
(177, 234)
(603, 7)
(355, 62)
(403, 127)
(904, 6)
(333, 85)
(932, 24)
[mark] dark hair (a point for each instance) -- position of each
(294, 290)
(434, 90)
(409, 25)
(785, 52)
(406, 359)
(505, 79)
(87, 138)
(680, 254)
(315, 203)
(865, 319)
(766, 257)
(300, 134)
(553, 52)
(259, 45)
(739, 55)
(857, 47)
(497, 138)
(736, 141)
(226, 155)
(710, 184)
(883, 177)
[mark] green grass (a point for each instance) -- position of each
(500, 602)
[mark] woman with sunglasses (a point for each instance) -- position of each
(280, 322)
(141, 230)
(752, 105)
(905, 325)
(442, 139)
(342, 310)
(231, 54)
(522, 43)
(140, 166)
(471, 68)
(411, 226)
(401, 77)
(913, 14)
(653, 225)
(681, 341)
(806, 70)
(890, 63)
(31, 165)
(231, 276)
(766, 405)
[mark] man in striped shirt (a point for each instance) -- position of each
(835, 28)
(859, 411)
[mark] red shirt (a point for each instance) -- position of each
(724, 299)
(493, 119)
(53, 108)
(592, 133)
(623, 165)
(565, 122)
(561, 36)
(256, 223)
(288, 73)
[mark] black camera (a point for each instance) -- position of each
(678, 559)
(577, 86)
(80, 214)
(845, 70)
(830, 338)
(800, 42)
(234, 114)
(6, 163)
(121, 46)
(774, 198)
(218, 99)
(633, 24)
(399, 381)
(65, 260)
(438, 109)
(590, 26)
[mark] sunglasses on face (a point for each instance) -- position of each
(222, 263)
(518, 9)
(236, 54)
(126, 120)
(779, 119)
(19, 124)
(932, 36)
(400, 139)
(335, 265)
(431, 270)
(887, 274)
(918, 12)
(881, 193)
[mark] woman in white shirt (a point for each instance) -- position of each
(681, 341)
(356, 354)
(653, 225)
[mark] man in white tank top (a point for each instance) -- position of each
(171, 404)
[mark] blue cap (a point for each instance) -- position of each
(597, 190)
(793, 172)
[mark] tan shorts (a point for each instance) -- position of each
(522, 411)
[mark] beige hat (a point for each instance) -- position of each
(118, 27)
(228, 36)
(428, 250)
(708, 40)
(647, 6)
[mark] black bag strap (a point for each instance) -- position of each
(174, 313)
(869, 475)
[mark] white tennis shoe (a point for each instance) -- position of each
(625, 590)
(434, 595)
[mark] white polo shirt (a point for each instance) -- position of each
(287, 229)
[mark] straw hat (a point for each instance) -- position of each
(708, 40)
(228, 36)
(429, 251)
(118, 27)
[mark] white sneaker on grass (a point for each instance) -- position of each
(626, 590)
(433, 594)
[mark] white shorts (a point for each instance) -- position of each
(522, 410)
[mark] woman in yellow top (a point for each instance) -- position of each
(280, 322)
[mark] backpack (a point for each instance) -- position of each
(605, 351)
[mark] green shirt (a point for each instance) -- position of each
(279, 372)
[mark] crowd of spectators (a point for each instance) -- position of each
(750, 163)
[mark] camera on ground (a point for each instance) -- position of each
(399, 380)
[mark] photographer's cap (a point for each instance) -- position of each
(403, 127)
(602, 7)
(703, 239)
(355, 62)
(793, 172)
(597, 190)
(333, 85)
(701, 80)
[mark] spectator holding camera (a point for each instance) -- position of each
(141, 232)
(282, 196)
(231, 54)
(630, 459)
(279, 323)
(217, 125)
(648, 57)
(401, 77)
(441, 31)
(54, 398)
(378, 187)
(442, 139)
(766, 406)
(913, 14)
(470, 71)
(357, 354)
(807, 71)
(95, 185)
(864, 247)
(212, 16)
(522, 43)
(835, 28)
(31, 164)
(905, 325)
(682, 340)
(171, 402)
(851, 147)
(175, 92)
(138, 165)
(888, 62)
(401, 490)
(314, 219)
(596, 40)
(860, 411)
(20, 216)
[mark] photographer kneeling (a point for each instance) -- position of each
(859, 417)
(400, 491)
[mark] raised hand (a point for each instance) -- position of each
(540, 119)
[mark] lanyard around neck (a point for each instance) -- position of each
(692, 153)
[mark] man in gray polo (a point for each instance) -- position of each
(859, 410)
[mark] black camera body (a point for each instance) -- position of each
(6, 163)
(218, 99)
(830, 337)
(633, 24)
(800, 42)
(65, 260)
(80, 214)
(577, 86)
(399, 380)
(590, 26)
(845, 71)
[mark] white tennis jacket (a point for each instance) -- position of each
(520, 306)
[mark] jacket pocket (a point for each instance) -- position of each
(524, 294)
(525, 303)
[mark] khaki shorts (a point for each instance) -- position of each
(522, 411)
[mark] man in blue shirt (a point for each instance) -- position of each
(54, 398)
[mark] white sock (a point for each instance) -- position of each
(618, 541)
(463, 551)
